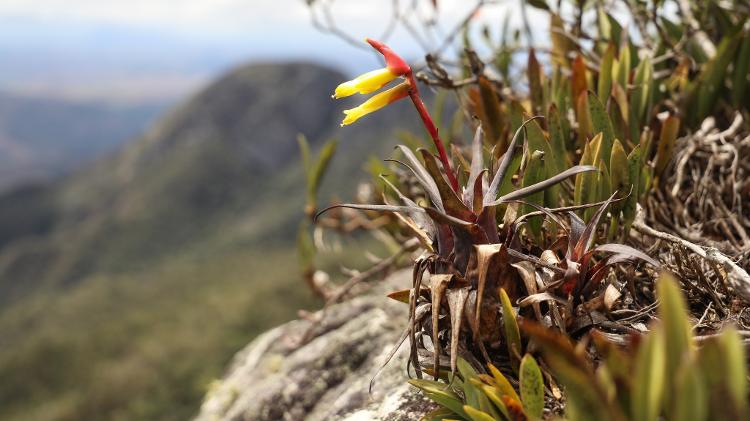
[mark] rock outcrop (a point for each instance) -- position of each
(327, 377)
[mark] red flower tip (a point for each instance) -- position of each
(394, 63)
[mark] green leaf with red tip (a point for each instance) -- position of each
(502, 384)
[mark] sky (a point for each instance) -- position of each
(163, 48)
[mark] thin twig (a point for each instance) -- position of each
(738, 278)
(408, 246)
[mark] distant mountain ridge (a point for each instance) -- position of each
(42, 138)
(192, 224)
(206, 156)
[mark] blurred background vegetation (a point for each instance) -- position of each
(151, 186)
(150, 193)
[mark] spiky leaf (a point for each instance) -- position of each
(440, 394)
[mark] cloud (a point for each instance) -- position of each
(183, 14)
(226, 15)
(178, 31)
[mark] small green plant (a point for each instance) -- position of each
(486, 397)
(315, 170)
(664, 374)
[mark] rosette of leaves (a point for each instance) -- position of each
(474, 268)
(664, 374)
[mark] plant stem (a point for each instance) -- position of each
(429, 124)
(613, 224)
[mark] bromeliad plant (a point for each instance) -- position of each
(505, 234)
(475, 265)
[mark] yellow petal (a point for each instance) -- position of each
(366, 83)
(376, 102)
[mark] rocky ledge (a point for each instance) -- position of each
(327, 377)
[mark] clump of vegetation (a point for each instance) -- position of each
(481, 397)
(533, 219)
(662, 373)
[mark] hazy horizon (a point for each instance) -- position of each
(162, 50)
(90, 76)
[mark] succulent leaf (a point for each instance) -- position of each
(512, 334)
(532, 387)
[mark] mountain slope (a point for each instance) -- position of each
(43, 137)
(125, 287)
(204, 162)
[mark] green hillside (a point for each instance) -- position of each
(126, 288)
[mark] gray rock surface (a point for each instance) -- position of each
(328, 377)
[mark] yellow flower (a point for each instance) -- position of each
(395, 67)
(376, 102)
(366, 83)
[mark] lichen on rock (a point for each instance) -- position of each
(328, 377)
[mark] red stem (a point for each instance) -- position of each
(429, 124)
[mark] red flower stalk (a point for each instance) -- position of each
(371, 81)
